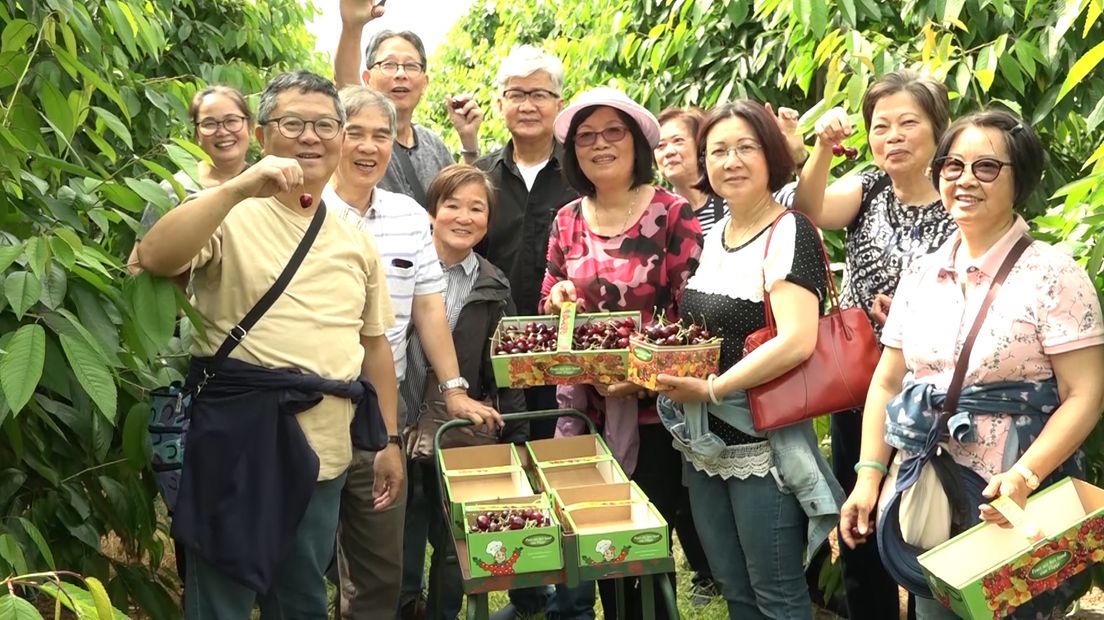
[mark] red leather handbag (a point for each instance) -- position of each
(834, 378)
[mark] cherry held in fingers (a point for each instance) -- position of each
(306, 200)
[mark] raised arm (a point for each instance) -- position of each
(354, 15)
(169, 247)
(833, 207)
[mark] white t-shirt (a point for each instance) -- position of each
(529, 173)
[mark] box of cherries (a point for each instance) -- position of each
(573, 348)
(682, 349)
(512, 536)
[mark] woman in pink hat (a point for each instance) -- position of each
(624, 245)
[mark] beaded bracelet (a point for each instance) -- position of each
(873, 465)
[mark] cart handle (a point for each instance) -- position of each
(523, 416)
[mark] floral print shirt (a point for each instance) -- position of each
(1047, 306)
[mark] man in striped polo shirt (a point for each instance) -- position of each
(370, 540)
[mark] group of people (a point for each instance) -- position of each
(417, 258)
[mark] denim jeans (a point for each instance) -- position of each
(300, 588)
(754, 537)
(415, 533)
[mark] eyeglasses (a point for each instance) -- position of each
(742, 150)
(539, 96)
(292, 127)
(986, 169)
(390, 67)
(209, 126)
(615, 133)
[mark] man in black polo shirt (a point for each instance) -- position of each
(531, 190)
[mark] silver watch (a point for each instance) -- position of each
(458, 382)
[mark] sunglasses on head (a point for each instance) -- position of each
(985, 169)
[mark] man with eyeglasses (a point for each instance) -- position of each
(395, 65)
(268, 448)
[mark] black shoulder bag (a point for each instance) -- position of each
(170, 405)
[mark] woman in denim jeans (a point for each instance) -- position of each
(762, 503)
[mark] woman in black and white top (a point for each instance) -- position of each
(893, 215)
(758, 528)
(676, 156)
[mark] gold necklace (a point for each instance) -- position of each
(635, 193)
(738, 240)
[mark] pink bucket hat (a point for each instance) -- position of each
(604, 95)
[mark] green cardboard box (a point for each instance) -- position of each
(613, 523)
(553, 477)
(567, 450)
(564, 366)
(481, 473)
(988, 571)
(509, 552)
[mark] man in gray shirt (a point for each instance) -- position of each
(395, 65)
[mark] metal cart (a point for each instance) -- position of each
(651, 571)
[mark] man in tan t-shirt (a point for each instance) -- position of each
(329, 322)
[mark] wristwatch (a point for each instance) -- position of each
(458, 382)
(395, 439)
(1029, 476)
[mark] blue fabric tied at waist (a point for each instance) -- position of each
(689, 423)
(912, 413)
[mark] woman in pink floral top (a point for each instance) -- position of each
(625, 245)
(1032, 392)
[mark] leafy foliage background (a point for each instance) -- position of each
(93, 115)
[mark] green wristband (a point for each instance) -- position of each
(872, 465)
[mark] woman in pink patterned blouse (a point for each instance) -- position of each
(625, 245)
(1032, 392)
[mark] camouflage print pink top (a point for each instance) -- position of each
(1046, 306)
(644, 268)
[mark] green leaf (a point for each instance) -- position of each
(151, 192)
(8, 254)
(22, 289)
(153, 305)
(136, 435)
(1081, 68)
(38, 540)
(14, 608)
(38, 252)
(850, 15)
(54, 286)
(21, 366)
(12, 553)
(63, 252)
(92, 373)
(55, 108)
(192, 148)
(16, 34)
(115, 124)
(99, 596)
(80, 601)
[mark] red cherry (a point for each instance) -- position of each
(851, 152)
(838, 150)
(306, 200)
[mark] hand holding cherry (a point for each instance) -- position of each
(840, 150)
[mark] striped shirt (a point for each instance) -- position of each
(713, 210)
(461, 279)
(400, 227)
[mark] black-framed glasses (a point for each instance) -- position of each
(538, 96)
(742, 150)
(232, 123)
(292, 127)
(390, 67)
(614, 133)
(985, 169)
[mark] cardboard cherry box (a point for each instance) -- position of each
(481, 473)
(568, 450)
(613, 523)
(506, 551)
(564, 365)
(647, 361)
(553, 477)
(988, 571)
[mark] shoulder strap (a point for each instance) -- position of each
(950, 404)
(403, 156)
(239, 331)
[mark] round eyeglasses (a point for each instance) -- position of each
(292, 127)
(986, 169)
(232, 123)
(538, 96)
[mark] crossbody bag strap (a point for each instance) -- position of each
(403, 156)
(950, 404)
(239, 331)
